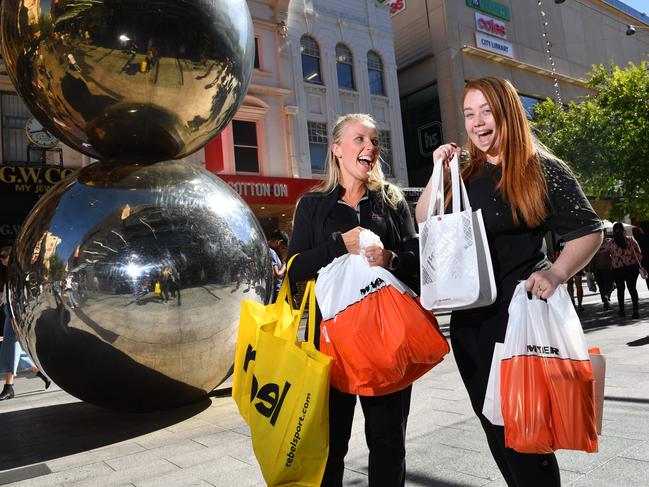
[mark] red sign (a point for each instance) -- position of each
(490, 25)
(267, 190)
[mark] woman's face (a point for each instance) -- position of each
(358, 150)
(4, 257)
(480, 124)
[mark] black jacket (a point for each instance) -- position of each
(317, 248)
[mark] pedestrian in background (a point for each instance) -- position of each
(12, 357)
(523, 191)
(625, 254)
(278, 245)
(600, 265)
(327, 224)
(642, 236)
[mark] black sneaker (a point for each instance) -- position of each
(635, 314)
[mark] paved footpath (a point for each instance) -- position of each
(49, 438)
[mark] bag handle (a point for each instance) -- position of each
(436, 201)
(458, 187)
(459, 193)
(309, 295)
(285, 290)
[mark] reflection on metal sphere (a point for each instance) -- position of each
(130, 81)
(127, 282)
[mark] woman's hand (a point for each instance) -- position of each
(544, 283)
(376, 255)
(351, 239)
(446, 152)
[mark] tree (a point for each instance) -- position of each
(604, 137)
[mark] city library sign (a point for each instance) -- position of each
(20, 189)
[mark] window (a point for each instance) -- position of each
(385, 142)
(310, 60)
(529, 104)
(345, 68)
(317, 146)
(256, 64)
(375, 73)
(246, 155)
(14, 117)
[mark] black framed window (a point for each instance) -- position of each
(256, 64)
(385, 142)
(375, 73)
(310, 60)
(318, 142)
(246, 147)
(14, 117)
(344, 67)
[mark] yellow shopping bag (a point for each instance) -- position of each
(286, 403)
(156, 288)
(284, 320)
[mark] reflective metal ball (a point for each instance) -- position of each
(127, 281)
(130, 81)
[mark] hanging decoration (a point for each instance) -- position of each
(543, 18)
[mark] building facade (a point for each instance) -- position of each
(544, 48)
(315, 60)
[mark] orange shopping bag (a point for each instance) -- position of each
(380, 337)
(547, 386)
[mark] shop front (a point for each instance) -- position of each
(20, 188)
(272, 199)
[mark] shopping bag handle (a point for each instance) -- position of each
(460, 197)
(285, 290)
(309, 295)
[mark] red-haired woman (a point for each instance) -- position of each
(523, 191)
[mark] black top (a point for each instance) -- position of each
(320, 219)
(517, 250)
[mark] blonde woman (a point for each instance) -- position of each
(327, 224)
(523, 191)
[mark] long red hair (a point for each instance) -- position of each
(522, 183)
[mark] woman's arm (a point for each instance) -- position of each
(575, 255)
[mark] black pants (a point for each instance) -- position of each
(385, 433)
(473, 334)
(604, 280)
(626, 275)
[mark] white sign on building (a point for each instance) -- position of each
(489, 25)
(493, 44)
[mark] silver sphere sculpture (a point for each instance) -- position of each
(126, 81)
(157, 259)
(128, 276)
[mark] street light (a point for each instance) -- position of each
(631, 29)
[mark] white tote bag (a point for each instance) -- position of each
(455, 262)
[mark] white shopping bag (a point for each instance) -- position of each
(492, 408)
(455, 262)
(546, 379)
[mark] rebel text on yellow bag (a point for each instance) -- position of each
(281, 386)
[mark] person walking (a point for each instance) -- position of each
(523, 191)
(327, 224)
(625, 257)
(12, 356)
(600, 265)
(277, 243)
